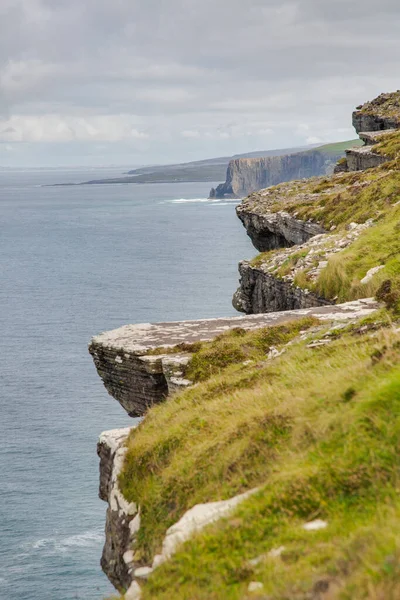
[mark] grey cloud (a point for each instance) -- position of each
(190, 66)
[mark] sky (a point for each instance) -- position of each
(131, 82)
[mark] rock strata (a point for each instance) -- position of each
(125, 378)
(269, 283)
(260, 292)
(246, 175)
(269, 230)
(379, 114)
(360, 159)
(123, 519)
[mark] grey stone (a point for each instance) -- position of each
(246, 175)
(122, 517)
(360, 159)
(132, 341)
(268, 230)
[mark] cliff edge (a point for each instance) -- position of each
(327, 239)
(266, 462)
(246, 175)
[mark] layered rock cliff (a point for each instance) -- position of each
(221, 444)
(246, 175)
(140, 365)
(121, 559)
(292, 214)
(379, 114)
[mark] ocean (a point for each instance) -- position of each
(76, 261)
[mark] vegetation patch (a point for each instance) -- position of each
(318, 429)
(238, 429)
(337, 459)
(340, 147)
(385, 105)
(239, 345)
(389, 146)
(377, 246)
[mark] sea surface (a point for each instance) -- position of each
(75, 261)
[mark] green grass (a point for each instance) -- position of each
(334, 201)
(389, 146)
(339, 147)
(361, 196)
(378, 245)
(239, 345)
(290, 424)
(318, 429)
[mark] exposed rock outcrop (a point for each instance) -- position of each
(275, 230)
(379, 114)
(269, 284)
(125, 378)
(263, 287)
(123, 519)
(360, 159)
(246, 175)
(261, 292)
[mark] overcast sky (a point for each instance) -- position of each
(101, 82)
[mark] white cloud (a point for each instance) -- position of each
(173, 76)
(190, 133)
(56, 128)
(313, 140)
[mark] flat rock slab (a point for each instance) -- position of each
(139, 380)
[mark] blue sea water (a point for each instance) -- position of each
(75, 261)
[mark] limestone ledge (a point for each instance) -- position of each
(360, 159)
(271, 230)
(138, 381)
(123, 520)
(268, 285)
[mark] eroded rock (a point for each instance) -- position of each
(123, 519)
(246, 175)
(269, 283)
(360, 159)
(271, 230)
(131, 381)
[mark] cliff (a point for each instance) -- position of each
(140, 365)
(376, 115)
(322, 217)
(246, 175)
(125, 560)
(266, 463)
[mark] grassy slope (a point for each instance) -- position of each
(339, 147)
(318, 429)
(352, 197)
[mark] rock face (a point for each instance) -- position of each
(246, 175)
(126, 380)
(261, 292)
(271, 230)
(373, 122)
(123, 519)
(379, 114)
(269, 283)
(360, 159)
